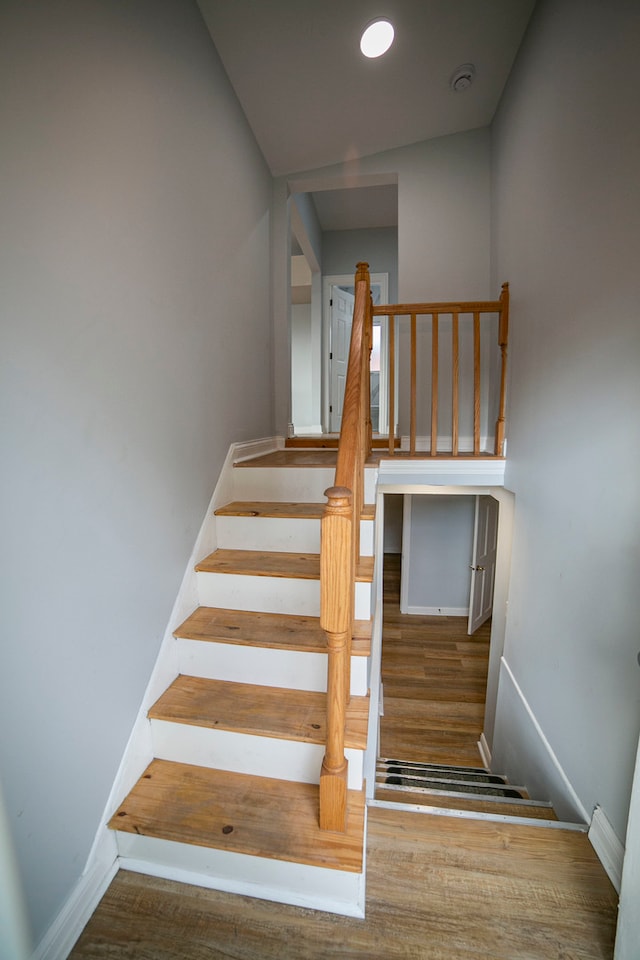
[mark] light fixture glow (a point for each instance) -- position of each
(377, 38)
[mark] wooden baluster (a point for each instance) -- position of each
(476, 383)
(455, 376)
(412, 429)
(392, 386)
(503, 341)
(434, 384)
(336, 618)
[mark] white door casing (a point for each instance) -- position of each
(483, 561)
(341, 318)
(380, 294)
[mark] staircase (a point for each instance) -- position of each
(474, 790)
(230, 800)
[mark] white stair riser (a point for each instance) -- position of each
(292, 484)
(245, 753)
(271, 594)
(291, 669)
(334, 891)
(288, 535)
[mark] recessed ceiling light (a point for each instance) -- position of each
(377, 38)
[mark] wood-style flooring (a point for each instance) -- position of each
(438, 888)
(434, 679)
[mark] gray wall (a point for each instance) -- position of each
(439, 553)
(443, 228)
(566, 189)
(135, 345)
(342, 249)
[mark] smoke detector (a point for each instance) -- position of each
(462, 77)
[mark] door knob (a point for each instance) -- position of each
(471, 567)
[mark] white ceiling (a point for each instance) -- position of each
(312, 99)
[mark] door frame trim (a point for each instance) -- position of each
(344, 280)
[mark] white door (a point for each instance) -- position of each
(341, 318)
(483, 562)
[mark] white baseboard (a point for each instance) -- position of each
(254, 448)
(438, 611)
(521, 751)
(61, 936)
(485, 752)
(607, 845)
(281, 881)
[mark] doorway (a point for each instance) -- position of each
(337, 295)
(391, 506)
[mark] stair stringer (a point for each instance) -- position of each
(322, 888)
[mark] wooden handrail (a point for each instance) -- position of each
(340, 552)
(340, 536)
(482, 379)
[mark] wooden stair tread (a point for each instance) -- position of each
(246, 708)
(281, 510)
(262, 563)
(477, 804)
(330, 441)
(307, 458)
(276, 819)
(278, 631)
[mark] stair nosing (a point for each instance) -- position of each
(275, 510)
(212, 565)
(323, 847)
(361, 640)
(460, 795)
(312, 702)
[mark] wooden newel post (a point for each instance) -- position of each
(336, 617)
(503, 342)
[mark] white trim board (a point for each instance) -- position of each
(522, 752)
(485, 752)
(281, 881)
(608, 847)
(63, 933)
(397, 475)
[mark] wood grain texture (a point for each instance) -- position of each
(262, 563)
(296, 511)
(278, 631)
(437, 889)
(434, 678)
(261, 711)
(276, 819)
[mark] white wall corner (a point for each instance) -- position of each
(608, 847)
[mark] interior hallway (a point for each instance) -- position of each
(434, 679)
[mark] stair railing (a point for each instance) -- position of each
(340, 553)
(430, 315)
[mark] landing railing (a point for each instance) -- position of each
(340, 553)
(340, 539)
(461, 332)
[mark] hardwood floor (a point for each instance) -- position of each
(434, 677)
(438, 888)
